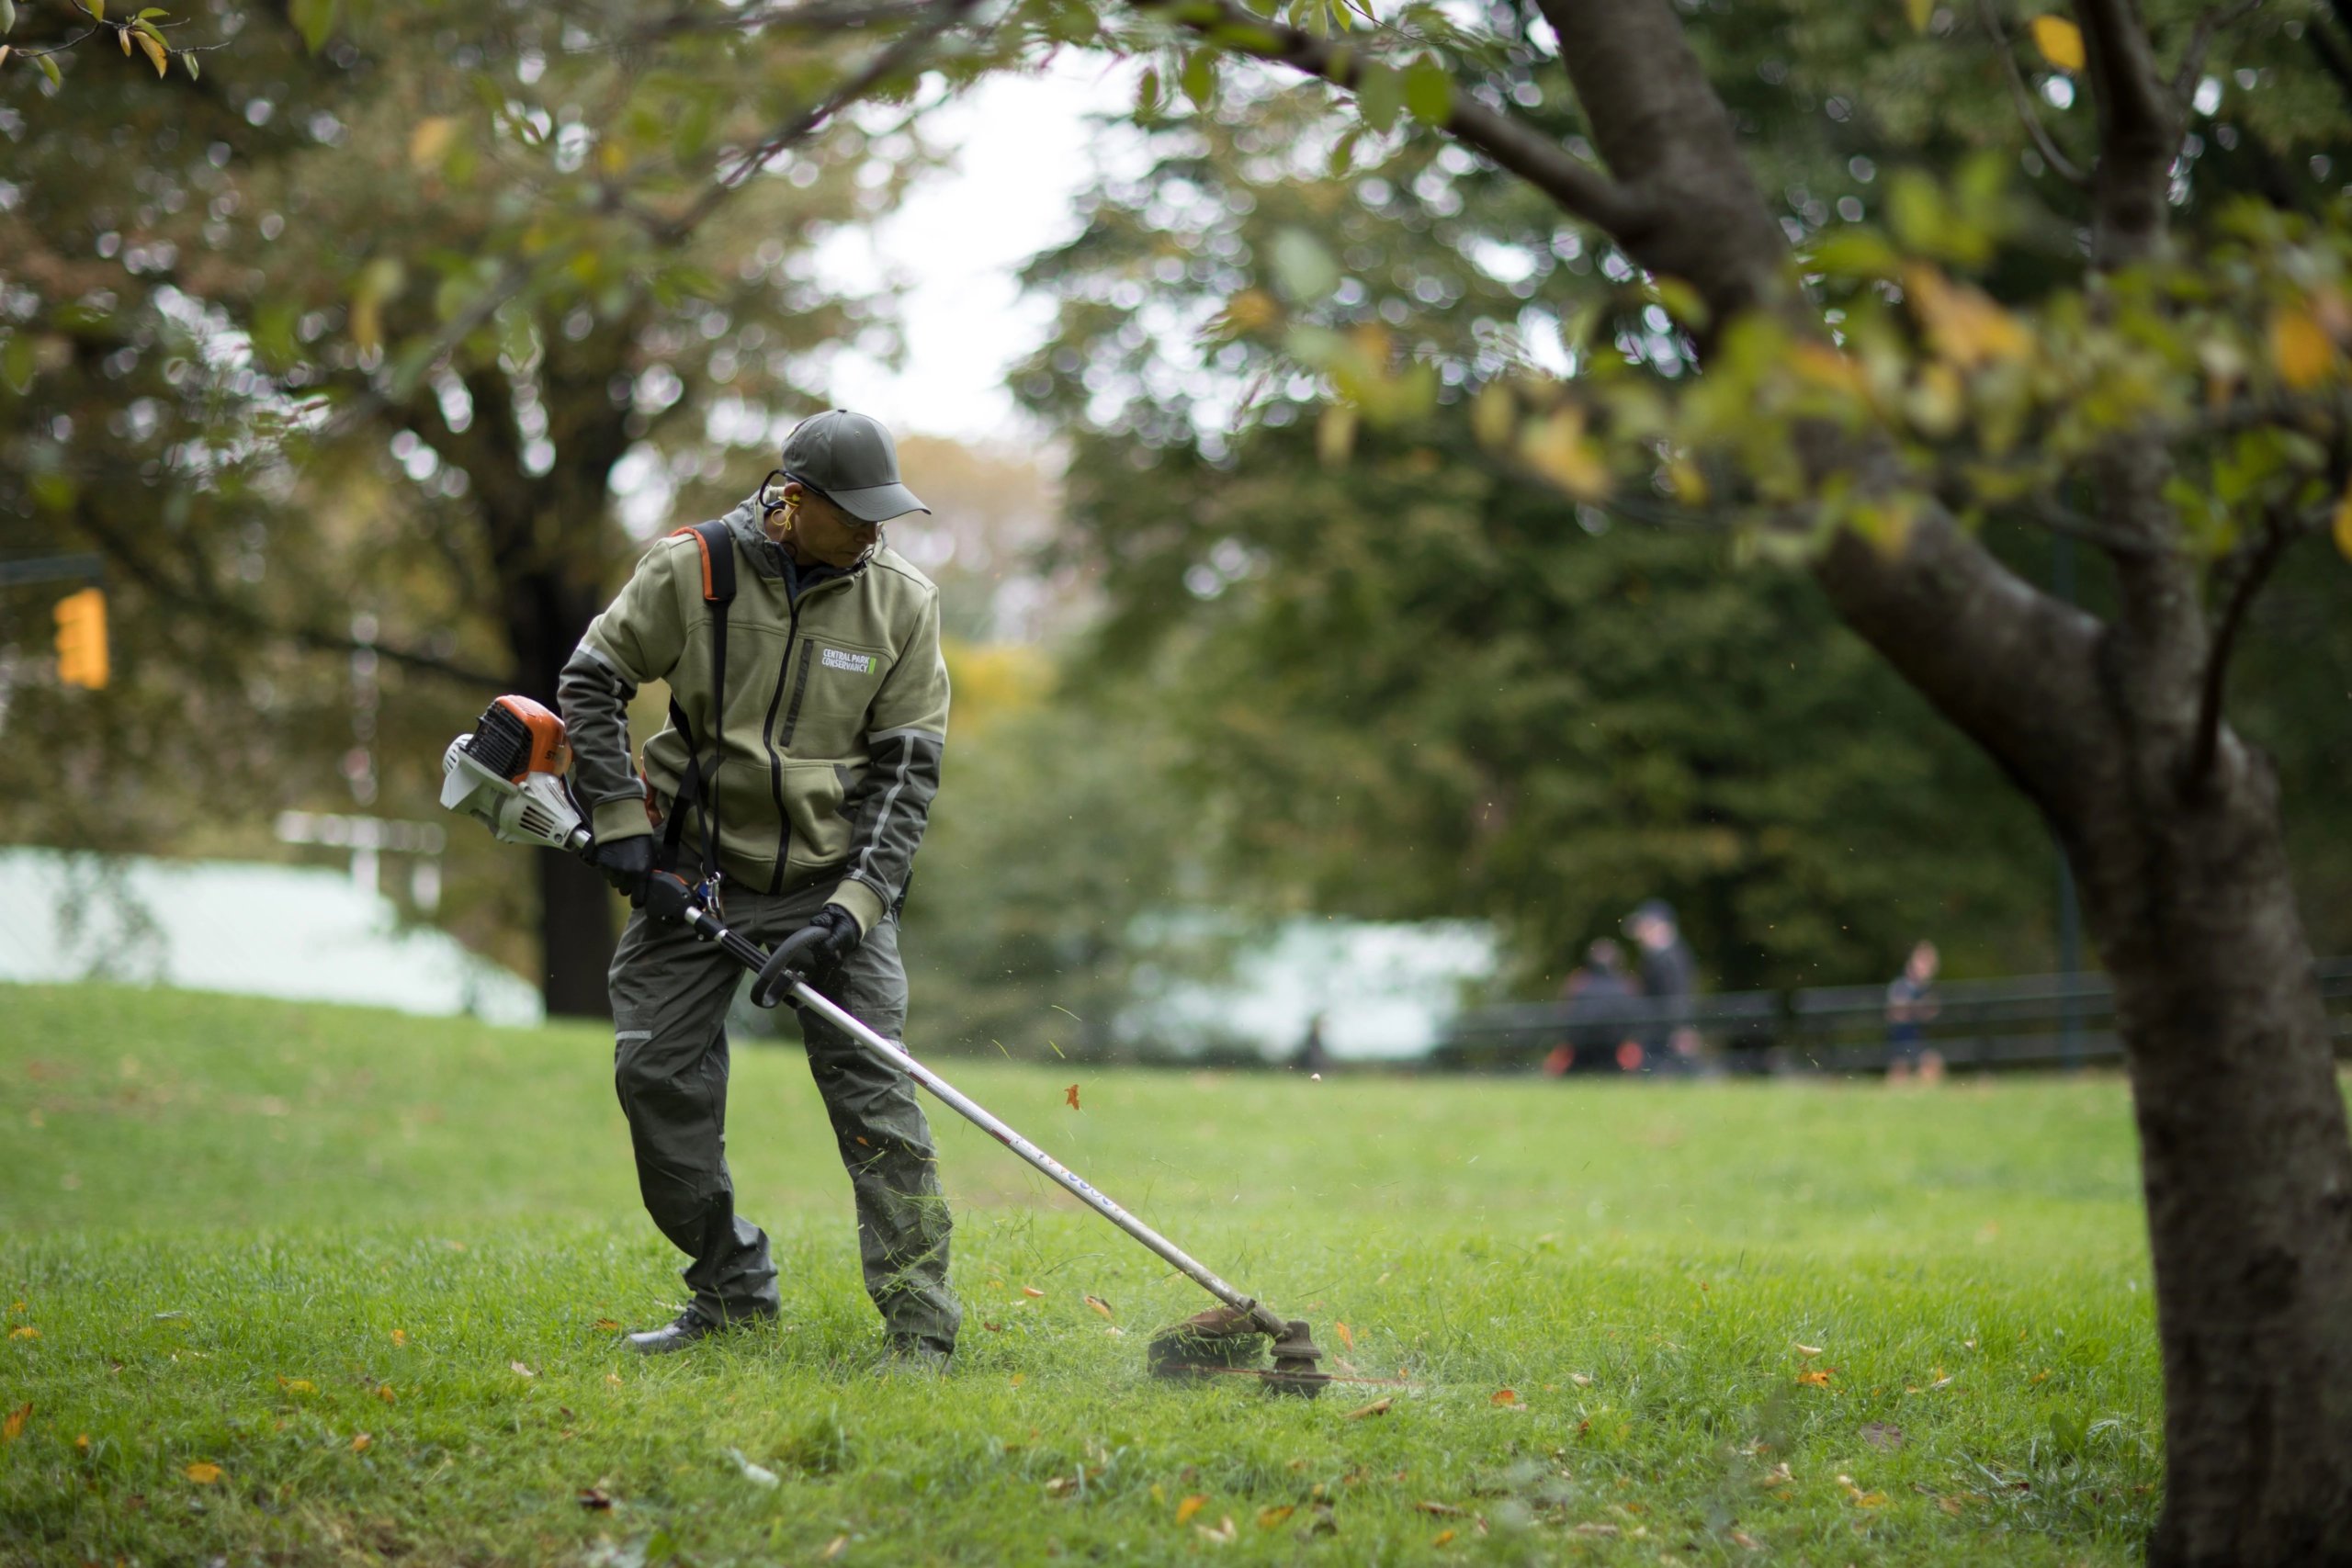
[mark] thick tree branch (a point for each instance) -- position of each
(136, 559)
(2138, 133)
(901, 52)
(1579, 190)
(2059, 163)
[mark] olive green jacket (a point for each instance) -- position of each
(836, 715)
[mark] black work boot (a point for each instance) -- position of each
(914, 1355)
(688, 1326)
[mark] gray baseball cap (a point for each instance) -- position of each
(853, 460)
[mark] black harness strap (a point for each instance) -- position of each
(697, 788)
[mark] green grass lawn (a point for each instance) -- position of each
(306, 1284)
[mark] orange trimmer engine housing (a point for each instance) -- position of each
(517, 737)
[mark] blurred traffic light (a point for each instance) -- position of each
(82, 638)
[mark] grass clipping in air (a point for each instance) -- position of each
(313, 1284)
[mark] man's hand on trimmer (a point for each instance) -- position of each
(813, 952)
(626, 863)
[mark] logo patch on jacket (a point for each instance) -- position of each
(855, 663)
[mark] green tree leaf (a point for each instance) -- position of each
(1303, 269)
(98, 9)
(1380, 92)
(48, 69)
(1199, 77)
(314, 19)
(8, 14)
(1429, 92)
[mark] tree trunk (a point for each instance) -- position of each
(2245, 1163)
(547, 611)
(2244, 1155)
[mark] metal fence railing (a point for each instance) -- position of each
(2041, 1021)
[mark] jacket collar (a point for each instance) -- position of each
(767, 557)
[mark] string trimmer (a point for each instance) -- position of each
(508, 775)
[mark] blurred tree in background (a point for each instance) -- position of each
(342, 353)
(1419, 684)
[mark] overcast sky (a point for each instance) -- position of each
(1021, 148)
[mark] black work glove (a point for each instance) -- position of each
(626, 863)
(814, 951)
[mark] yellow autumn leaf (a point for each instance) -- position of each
(1920, 12)
(384, 1393)
(359, 1444)
(2060, 41)
(1963, 324)
(155, 54)
(1347, 1335)
(400, 1335)
(2344, 525)
(1377, 1407)
(430, 140)
(203, 1472)
(1267, 1517)
(1099, 1304)
(1556, 449)
(1189, 1506)
(1441, 1538)
(1032, 1292)
(1818, 1379)
(13, 1426)
(24, 1331)
(298, 1385)
(1503, 1397)
(2300, 348)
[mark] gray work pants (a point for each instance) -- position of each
(671, 993)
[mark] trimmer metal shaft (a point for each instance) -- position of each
(753, 957)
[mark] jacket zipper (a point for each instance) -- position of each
(767, 742)
(767, 731)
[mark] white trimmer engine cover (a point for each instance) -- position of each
(508, 775)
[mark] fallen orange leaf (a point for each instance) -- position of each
(203, 1474)
(82, 1441)
(1189, 1506)
(1267, 1517)
(1033, 1292)
(1099, 1304)
(1347, 1335)
(359, 1444)
(607, 1324)
(14, 1427)
(24, 1331)
(298, 1385)
(400, 1335)
(1070, 1094)
(1819, 1379)
(1503, 1397)
(1020, 1378)
(1442, 1537)
(1440, 1508)
(384, 1393)
(1377, 1407)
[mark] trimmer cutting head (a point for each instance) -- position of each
(1225, 1341)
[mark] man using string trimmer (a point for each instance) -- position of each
(790, 787)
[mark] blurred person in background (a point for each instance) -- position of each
(1311, 1057)
(1670, 974)
(1596, 993)
(1911, 1006)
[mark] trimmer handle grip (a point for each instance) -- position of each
(785, 968)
